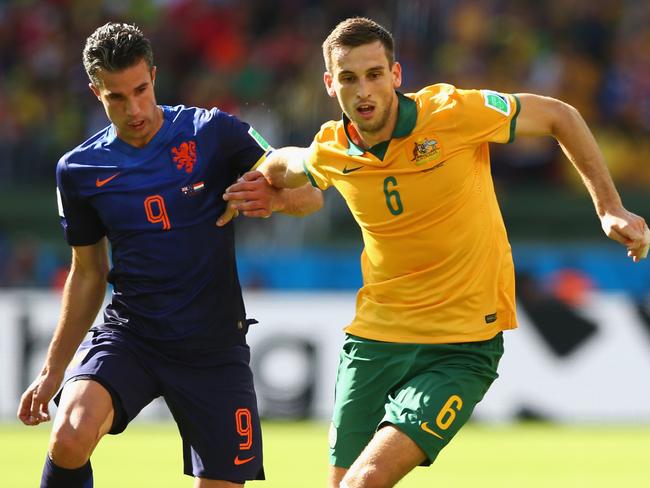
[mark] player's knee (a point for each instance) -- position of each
(70, 447)
(366, 476)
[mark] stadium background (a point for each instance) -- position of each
(582, 354)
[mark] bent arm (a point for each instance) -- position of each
(548, 116)
(284, 167)
(82, 297)
(278, 184)
(254, 196)
(298, 202)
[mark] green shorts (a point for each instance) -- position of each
(428, 391)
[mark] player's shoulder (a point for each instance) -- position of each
(440, 96)
(88, 152)
(199, 118)
(449, 96)
(461, 102)
(330, 131)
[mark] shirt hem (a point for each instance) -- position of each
(416, 339)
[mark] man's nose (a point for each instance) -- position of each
(363, 88)
(131, 107)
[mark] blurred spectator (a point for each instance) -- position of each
(262, 61)
(20, 268)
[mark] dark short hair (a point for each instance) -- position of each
(114, 47)
(357, 31)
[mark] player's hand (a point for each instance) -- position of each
(253, 196)
(628, 229)
(33, 408)
(230, 213)
(232, 208)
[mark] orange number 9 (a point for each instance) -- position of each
(156, 211)
(244, 427)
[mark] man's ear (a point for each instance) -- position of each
(95, 90)
(396, 72)
(329, 81)
(153, 75)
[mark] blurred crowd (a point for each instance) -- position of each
(262, 61)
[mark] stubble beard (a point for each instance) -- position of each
(372, 127)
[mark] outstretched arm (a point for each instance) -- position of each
(254, 196)
(82, 297)
(284, 167)
(548, 116)
(278, 185)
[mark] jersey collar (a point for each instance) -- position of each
(407, 115)
(155, 142)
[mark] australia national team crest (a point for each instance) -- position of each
(425, 151)
(185, 156)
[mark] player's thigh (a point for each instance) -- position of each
(388, 457)
(116, 363)
(368, 371)
(85, 414)
(215, 408)
(432, 406)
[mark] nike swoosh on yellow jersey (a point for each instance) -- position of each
(437, 166)
(425, 427)
(350, 170)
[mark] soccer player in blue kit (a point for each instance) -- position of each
(151, 184)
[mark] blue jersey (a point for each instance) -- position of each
(173, 270)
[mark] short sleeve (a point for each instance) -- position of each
(81, 224)
(320, 153)
(246, 148)
(486, 116)
(312, 169)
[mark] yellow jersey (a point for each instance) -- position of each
(437, 266)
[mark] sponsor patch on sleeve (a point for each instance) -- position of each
(259, 139)
(496, 101)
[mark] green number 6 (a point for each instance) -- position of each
(393, 201)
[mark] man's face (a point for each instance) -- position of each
(364, 84)
(130, 102)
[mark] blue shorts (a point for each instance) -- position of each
(210, 396)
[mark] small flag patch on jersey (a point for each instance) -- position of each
(496, 101)
(190, 190)
(259, 139)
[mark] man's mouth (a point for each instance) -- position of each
(136, 125)
(366, 110)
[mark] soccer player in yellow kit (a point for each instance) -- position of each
(438, 290)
